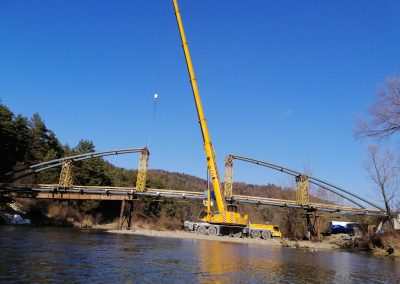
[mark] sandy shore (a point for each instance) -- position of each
(275, 242)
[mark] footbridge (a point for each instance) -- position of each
(53, 191)
(66, 190)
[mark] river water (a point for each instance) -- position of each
(29, 254)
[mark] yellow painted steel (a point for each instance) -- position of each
(302, 195)
(142, 170)
(211, 160)
(228, 178)
(274, 229)
(66, 176)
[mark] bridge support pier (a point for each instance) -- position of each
(313, 226)
(126, 214)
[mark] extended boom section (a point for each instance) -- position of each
(223, 215)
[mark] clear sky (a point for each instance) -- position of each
(281, 81)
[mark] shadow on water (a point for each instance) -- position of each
(68, 255)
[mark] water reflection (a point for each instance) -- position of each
(219, 262)
(67, 255)
(230, 262)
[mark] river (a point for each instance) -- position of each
(37, 254)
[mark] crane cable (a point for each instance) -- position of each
(153, 118)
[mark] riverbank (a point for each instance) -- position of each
(380, 245)
(275, 242)
(330, 243)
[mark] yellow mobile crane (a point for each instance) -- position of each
(226, 220)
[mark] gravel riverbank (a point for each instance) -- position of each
(276, 242)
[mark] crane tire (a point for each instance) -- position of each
(266, 235)
(212, 231)
(201, 230)
(256, 234)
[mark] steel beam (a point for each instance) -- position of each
(328, 186)
(58, 162)
(129, 193)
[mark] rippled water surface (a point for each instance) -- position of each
(68, 255)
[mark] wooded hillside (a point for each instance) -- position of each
(27, 141)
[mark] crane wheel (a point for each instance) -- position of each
(256, 234)
(266, 235)
(212, 231)
(201, 230)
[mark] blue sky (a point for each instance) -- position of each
(281, 81)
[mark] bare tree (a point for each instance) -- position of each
(382, 169)
(384, 112)
(329, 196)
(293, 224)
(397, 206)
(320, 192)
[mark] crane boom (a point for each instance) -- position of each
(211, 161)
(225, 215)
(226, 221)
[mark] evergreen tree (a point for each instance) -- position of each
(51, 175)
(92, 171)
(38, 136)
(25, 142)
(7, 139)
(84, 146)
(54, 144)
(23, 138)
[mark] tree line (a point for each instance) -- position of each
(382, 163)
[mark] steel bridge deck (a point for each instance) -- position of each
(51, 191)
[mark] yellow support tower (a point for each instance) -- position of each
(228, 178)
(142, 170)
(66, 176)
(302, 196)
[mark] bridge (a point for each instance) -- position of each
(66, 190)
(52, 191)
